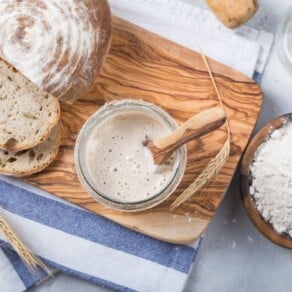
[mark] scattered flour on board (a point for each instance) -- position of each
(272, 179)
(188, 218)
(250, 239)
(174, 216)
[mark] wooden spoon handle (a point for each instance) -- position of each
(195, 127)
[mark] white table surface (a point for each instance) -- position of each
(234, 256)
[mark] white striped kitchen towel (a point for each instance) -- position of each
(244, 49)
(80, 243)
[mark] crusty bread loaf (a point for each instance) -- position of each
(27, 115)
(59, 45)
(33, 160)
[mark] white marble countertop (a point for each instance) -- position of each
(234, 256)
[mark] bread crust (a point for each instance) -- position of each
(59, 45)
(43, 165)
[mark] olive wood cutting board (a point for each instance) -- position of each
(145, 66)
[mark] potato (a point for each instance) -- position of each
(233, 13)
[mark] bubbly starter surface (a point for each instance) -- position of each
(122, 168)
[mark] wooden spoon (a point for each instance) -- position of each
(193, 128)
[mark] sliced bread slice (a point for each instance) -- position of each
(27, 114)
(32, 160)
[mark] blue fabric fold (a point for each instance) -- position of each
(30, 209)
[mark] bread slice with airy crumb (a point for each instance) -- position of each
(32, 160)
(27, 114)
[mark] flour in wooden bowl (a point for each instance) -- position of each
(271, 185)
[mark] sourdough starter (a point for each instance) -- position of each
(122, 168)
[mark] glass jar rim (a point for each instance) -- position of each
(106, 111)
(280, 39)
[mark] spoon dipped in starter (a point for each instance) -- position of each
(195, 127)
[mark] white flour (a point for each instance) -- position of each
(272, 179)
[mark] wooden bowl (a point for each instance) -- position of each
(263, 226)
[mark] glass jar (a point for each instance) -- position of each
(91, 185)
(284, 39)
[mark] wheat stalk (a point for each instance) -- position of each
(30, 260)
(215, 164)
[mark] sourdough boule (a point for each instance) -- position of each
(58, 45)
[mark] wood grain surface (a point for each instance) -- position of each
(142, 65)
(246, 180)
